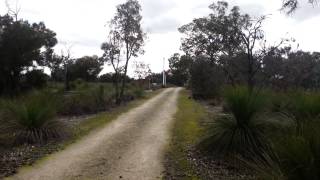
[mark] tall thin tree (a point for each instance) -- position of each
(127, 22)
(112, 56)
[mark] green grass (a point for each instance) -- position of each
(185, 133)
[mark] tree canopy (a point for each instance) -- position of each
(86, 68)
(180, 69)
(22, 45)
(126, 39)
(289, 6)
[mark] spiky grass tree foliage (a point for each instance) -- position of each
(242, 131)
(297, 151)
(304, 108)
(31, 119)
(279, 101)
(300, 155)
(296, 157)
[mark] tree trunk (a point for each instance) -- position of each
(11, 83)
(125, 72)
(116, 85)
(250, 81)
(66, 80)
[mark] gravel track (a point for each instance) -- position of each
(131, 147)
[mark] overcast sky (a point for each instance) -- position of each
(81, 23)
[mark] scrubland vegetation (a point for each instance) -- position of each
(42, 92)
(269, 94)
(33, 117)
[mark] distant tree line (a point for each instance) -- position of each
(228, 47)
(27, 49)
(289, 6)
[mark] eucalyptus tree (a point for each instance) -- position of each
(216, 37)
(141, 70)
(86, 68)
(289, 6)
(216, 34)
(112, 55)
(225, 35)
(180, 68)
(126, 24)
(22, 46)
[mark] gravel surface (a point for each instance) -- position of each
(13, 158)
(131, 147)
(211, 168)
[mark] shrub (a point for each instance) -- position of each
(31, 119)
(297, 157)
(100, 98)
(2, 134)
(304, 107)
(86, 101)
(300, 155)
(138, 92)
(241, 132)
(80, 84)
(299, 151)
(206, 79)
(132, 92)
(297, 147)
(36, 79)
(279, 101)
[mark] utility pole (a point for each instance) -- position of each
(164, 78)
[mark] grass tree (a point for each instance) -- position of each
(31, 119)
(242, 130)
(296, 147)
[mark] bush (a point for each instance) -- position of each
(206, 79)
(31, 119)
(299, 151)
(297, 147)
(132, 92)
(300, 155)
(107, 78)
(36, 79)
(304, 107)
(297, 157)
(86, 101)
(243, 131)
(79, 84)
(279, 102)
(3, 138)
(138, 92)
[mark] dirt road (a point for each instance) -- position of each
(131, 147)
